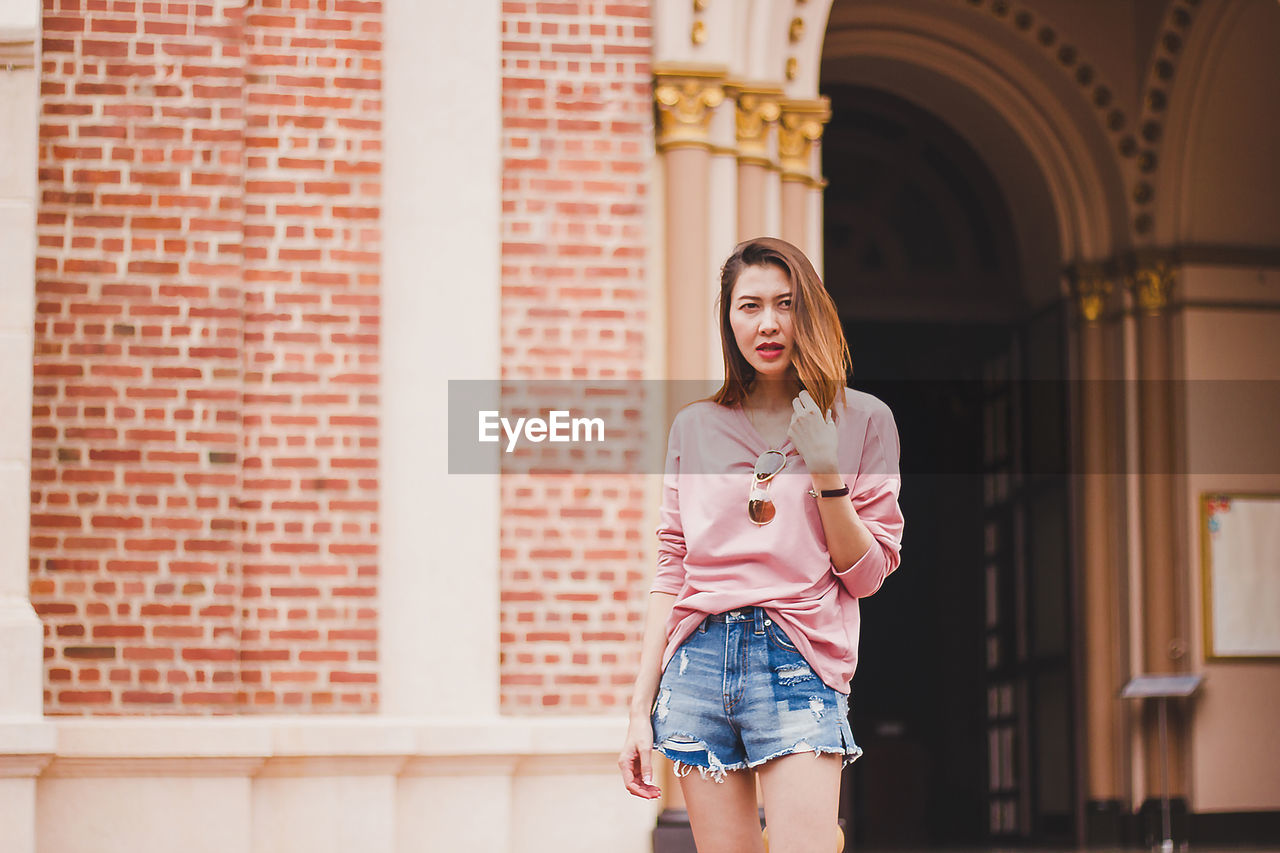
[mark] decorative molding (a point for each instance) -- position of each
(686, 97)
(795, 31)
(1152, 286)
(453, 766)
(1050, 40)
(23, 764)
(299, 746)
(1165, 55)
(698, 33)
(1259, 257)
(68, 767)
(1152, 276)
(756, 109)
(799, 126)
(18, 49)
(1223, 305)
(1091, 290)
(294, 766)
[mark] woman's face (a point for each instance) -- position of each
(760, 316)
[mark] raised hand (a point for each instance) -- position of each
(814, 435)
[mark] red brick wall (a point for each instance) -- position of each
(577, 147)
(204, 449)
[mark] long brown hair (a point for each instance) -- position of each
(820, 354)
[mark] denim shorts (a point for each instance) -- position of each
(737, 693)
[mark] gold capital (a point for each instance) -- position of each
(1152, 286)
(686, 97)
(799, 126)
(756, 109)
(1091, 292)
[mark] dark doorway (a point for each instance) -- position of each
(917, 694)
(963, 697)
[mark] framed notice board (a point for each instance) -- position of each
(1240, 535)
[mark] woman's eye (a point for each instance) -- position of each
(786, 303)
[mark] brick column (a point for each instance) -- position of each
(576, 305)
(204, 489)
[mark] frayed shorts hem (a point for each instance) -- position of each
(716, 771)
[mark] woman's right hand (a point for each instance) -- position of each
(636, 760)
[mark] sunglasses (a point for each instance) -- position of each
(759, 508)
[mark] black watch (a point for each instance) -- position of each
(831, 493)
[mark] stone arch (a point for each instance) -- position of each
(1213, 122)
(1050, 121)
(941, 49)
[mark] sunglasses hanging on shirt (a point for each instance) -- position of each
(760, 508)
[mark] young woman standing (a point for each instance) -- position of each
(779, 511)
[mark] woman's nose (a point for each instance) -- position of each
(768, 321)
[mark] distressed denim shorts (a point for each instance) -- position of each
(737, 693)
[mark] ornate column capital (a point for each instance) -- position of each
(1152, 285)
(1091, 289)
(800, 125)
(756, 108)
(686, 96)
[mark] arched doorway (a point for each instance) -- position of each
(966, 698)
(963, 181)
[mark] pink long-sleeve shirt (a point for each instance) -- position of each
(713, 558)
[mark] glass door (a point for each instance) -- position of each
(1029, 608)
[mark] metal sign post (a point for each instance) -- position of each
(1162, 688)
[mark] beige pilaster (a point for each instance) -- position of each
(1164, 646)
(756, 111)
(26, 740)
(441, 224)
(1102, 581)
(686, 97)
(799, 128)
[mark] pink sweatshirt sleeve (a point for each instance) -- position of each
(671, 545)
(875, 499)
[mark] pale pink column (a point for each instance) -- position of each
(1103, 582)
(1164, 645)
(756, 110)
(800, 126)
(686, 98)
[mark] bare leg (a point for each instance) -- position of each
(801, 802)
(723, 814)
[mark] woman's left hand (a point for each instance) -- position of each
(814, 435)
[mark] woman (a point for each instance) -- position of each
(779, 512)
